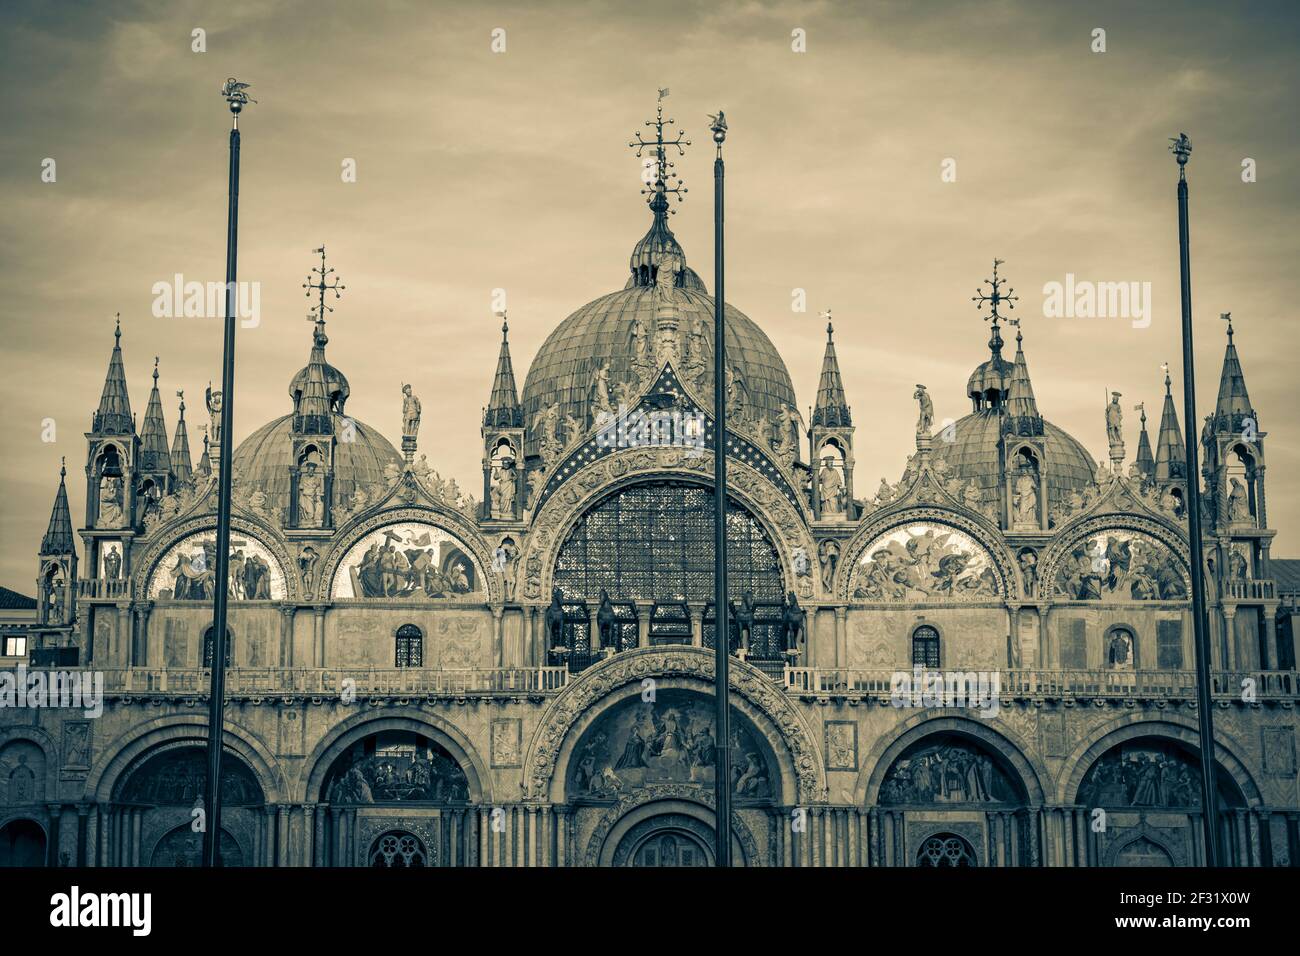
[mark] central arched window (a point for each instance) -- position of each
(654, 542)
(208, 644)
(410, 646)
(925, 646)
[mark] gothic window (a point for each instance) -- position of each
(1169, 645)
(397, 850)
(410, 646)
(654, 542)
(925, 646)
(945, 849)
(208, 644)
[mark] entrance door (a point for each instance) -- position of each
(669, 839)
(671, 849)
(22, 843)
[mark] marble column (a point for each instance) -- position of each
(286, 635)
(52, 851)
(308, 834)
(318, 635)
(137, 820)
(842, 637)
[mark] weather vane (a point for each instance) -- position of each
(317, 313)
(666, 181)
(996, 297)
(1227, 317)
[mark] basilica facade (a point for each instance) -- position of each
(523, 675)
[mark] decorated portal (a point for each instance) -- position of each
(669, 740)
(187, 571)
(925, 562)
(411, 560)
(1121, 565)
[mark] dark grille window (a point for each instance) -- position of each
(1169, 645)
(925, 646)
(1074, 646)
(654, 542)
(208, 643)
(410, 646)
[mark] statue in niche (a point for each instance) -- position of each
(311, 497)
(695, 359)
(737, 395)
(1238, 566)
(1121, 650)
(828, 553)
(831, 487)
(926, 417)
(545, 425)
(1025, 497)
(504, 559)
(1028, 569)
(640, 341)
(503, 491)
(1238, 502)
(112, 563)
(110, 502)
(410, 414)
(307, 559)
(787, 441)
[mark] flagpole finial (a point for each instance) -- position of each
(236, 96)
(1181, 147)
(718, 124)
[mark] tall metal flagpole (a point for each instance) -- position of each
(233, 92)
(1182, 150)
(722, 624)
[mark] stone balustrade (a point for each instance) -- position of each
(333, 681)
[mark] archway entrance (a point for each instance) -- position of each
(22, 843)
(668, 840)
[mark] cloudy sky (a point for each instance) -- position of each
(479, 170)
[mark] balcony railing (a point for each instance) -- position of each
(1166, 685)
(332, 681)
(1254, 589)
(107, 589)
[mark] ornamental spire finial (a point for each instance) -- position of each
(995, 298)
(665, 181)
(316, 282)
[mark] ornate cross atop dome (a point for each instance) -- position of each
(666, 182)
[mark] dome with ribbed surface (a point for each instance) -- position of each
(263, 459)
(601, 332)
(973, 453)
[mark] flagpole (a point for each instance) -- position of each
(1182, 150)
(236, 99)
(721, 624)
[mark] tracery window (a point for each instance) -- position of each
(945, 849)
(654, 542)
(397, 850)
(410, 646)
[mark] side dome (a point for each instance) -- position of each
(973, 454)
(262, 462)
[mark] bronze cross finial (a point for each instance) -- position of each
(666, 181)
(995, 297)
(318, 311)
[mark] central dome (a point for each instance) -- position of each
(601, 333)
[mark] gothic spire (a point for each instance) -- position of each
(1234, 401)
(1020, 392)
(1171, 456)
(1145, 461)
(114, 414)
(182, 466)
(154, 457)
(831, 410)
(504, 410)
(204, 468)
(58, 537)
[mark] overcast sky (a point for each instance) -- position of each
(479, 170)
